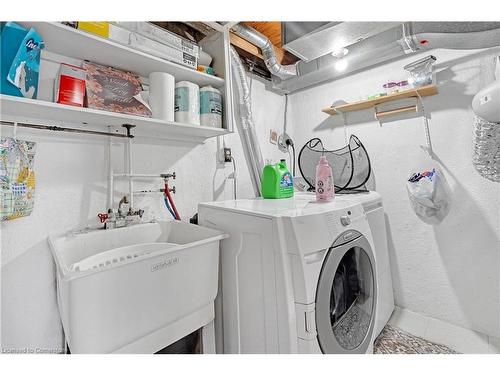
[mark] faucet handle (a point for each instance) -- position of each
(103, 217)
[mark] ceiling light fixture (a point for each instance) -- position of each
(340, 52)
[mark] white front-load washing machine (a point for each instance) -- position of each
(296, 276)
(374, 210)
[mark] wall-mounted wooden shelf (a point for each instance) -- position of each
(365, 104)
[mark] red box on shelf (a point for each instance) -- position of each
(70, 85)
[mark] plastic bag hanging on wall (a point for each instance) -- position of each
(429, 192)
(17, 178)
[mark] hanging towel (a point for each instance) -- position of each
(17, 178)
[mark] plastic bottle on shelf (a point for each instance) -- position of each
(325, 189)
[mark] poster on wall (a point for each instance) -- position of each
(114, 90)
(17, 178)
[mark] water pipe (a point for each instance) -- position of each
(171, 201)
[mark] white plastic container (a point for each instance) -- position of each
(136, 289)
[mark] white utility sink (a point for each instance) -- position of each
(135, 289)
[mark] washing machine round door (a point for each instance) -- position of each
(346, 296)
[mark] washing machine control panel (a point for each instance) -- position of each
(345, 220)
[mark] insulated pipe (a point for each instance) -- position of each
(261, 41)
(246, 127)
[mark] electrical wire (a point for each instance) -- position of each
(285, 114)
(293, 158)
(250, 71)
(234, 177)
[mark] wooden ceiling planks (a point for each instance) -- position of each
(273, 31)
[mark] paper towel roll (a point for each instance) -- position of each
(210, 107)
(162, 95)
(187, 103)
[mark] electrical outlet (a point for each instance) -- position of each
(227, 155)
(273, 137)
(282, 139)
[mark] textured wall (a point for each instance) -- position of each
(71, 190)
(451, 271)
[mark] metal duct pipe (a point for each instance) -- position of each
(392, 44)
(246, 127)
(261, 41)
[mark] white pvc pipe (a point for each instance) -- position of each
(109, 202)
(129, 171)
(137, 175)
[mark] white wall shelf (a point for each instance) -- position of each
(66, 41)
(47, 113)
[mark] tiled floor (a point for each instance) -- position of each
(457, 338)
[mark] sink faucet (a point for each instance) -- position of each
(122, 217)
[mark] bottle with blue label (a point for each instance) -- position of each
(277, 181)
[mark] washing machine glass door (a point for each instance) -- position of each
(345, 298)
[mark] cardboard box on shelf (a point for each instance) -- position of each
(70, 85)
(19, 60)
(161, 35)
(97, 28)
(114, 90)
(141, 43)
(186, 55)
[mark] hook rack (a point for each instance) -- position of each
(17, 125)
(380, 114)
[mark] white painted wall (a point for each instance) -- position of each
(452, 271)
(71, 190)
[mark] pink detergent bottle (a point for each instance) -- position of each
(325, 189)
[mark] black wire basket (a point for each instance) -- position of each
(350, 165)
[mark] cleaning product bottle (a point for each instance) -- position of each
(325, 189)
(277, 181)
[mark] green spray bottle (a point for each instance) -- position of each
(277, 181)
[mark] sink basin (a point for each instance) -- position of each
(135, 289)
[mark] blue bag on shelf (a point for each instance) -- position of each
(20, 60)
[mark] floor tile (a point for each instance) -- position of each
(409, 321)
(494, 345)
(460, 339)
(393, 340)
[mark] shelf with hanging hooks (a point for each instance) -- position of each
(371, 103)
